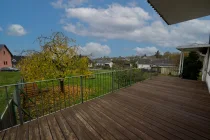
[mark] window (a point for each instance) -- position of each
(4, 52)
(5, 62)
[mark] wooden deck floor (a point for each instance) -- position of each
(161, 108)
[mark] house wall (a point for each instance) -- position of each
(5, 58)
(143, 66)
(205, 66)
(207, 77)
(169, 70)
(90, 65)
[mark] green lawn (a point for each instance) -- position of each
(7, 78)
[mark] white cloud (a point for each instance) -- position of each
(67, 3)
(135, 24)
(147, 50)
(132, 4)
(1, 29)
(16, 30)
(95, 49)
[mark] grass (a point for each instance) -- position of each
(7, 78)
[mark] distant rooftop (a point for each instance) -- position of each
(157, 62)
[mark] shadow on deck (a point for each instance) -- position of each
(161, 108)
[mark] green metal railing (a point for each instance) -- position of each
(32, 100)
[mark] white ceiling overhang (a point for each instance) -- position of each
(176, 11)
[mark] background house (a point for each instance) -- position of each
(105, 63)
(5, 56)
(162, 65)
(16, 59)
(144, 64)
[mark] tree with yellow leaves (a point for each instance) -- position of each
(56, 59)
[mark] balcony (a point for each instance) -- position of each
(159, 108)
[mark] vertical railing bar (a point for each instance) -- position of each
(89, 82)
(69, 93)
(35, 102)
(42, 98)
(81, 87)
(59, 98)
(95, 84)
(27, 99)
(53, 95)
(73, 94)
(85, 88)
(102, 83)
(112, 78)
(64, 93)
(17, 92)
(77, 86)
(7, 97)
(47, 87)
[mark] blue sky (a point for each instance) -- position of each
(100, 27)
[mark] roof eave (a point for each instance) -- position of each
(158, 12)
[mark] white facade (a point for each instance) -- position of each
(206, 69)
(110, 64)
(144, 66)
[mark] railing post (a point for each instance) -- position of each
(112, 81)
(130, 73)
(81, 87)
(18, 102)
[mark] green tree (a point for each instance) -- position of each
(192, 66)
(157, 54)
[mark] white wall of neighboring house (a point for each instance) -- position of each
(166, 70)
(103, 64)
(90, 65)
(144, 66)
(110, 64)
(99, 64)
(205, 75)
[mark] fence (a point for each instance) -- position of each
(32, 100)
(172, 71)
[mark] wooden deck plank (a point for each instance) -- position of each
(65, 128)
(137, 98)
(178, 94)
(88, 129)
(54, 127)
(154, 119)
(173, 117)
(101, 130)
(10, 134)
(170, 102)
(23, 132)
(161, 108)
(78, 130)
(45, 131)
(104, 122)
(2, 133)
(118, 125)
(134, 120)
(34, 132)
